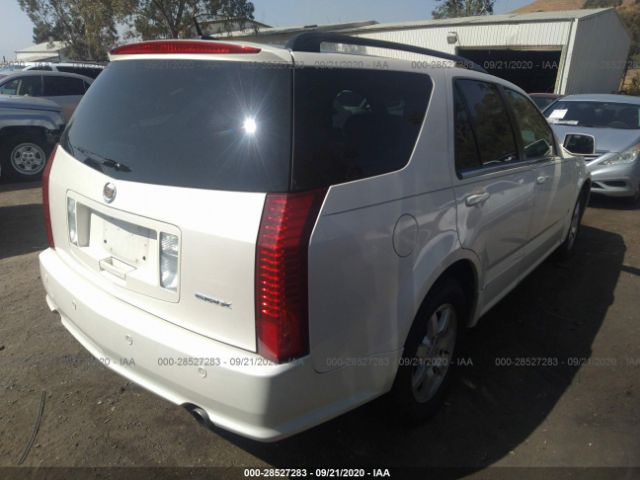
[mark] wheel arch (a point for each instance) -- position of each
(40, 132)
(463, 267)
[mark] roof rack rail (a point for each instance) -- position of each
(311, 41)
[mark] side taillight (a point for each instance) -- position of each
(45, 197)
(281, 274)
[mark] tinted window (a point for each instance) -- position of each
(466, 148)
(535, 133)
(218, 125)
(595, 114)
(351, 124)
(42, 68)
(29, 85)
(490, 121)
(60, 86)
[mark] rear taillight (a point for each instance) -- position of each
(169, 253)
(182, 46)
(45, 196)
(281, 274)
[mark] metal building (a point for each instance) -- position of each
(576, 51)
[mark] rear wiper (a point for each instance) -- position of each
(120, 167)
(97, 161)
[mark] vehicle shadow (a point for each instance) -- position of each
(600, 201)
(15, 186)
(21, 230)
(492, 408)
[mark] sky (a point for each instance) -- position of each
(16, 28)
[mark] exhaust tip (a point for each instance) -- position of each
(200, 414)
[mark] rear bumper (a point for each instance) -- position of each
(234, 387)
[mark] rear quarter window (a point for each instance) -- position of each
(354, 123)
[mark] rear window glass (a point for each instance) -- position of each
(216, 125)
(354, 123)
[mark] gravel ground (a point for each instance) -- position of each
(584, 412)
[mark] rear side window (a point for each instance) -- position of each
(354, 123)
(490, 122)
(199, 124)
(61, 86)
(535, 133)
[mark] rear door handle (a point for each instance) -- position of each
(541, 179)
(476, 198)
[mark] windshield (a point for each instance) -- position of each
(595, 114)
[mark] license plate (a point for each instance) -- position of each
(125, 241)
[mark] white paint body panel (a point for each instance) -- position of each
(217, 251)
(363, 295)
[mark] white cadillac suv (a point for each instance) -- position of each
(270, 237)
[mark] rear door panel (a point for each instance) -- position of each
(497, 228)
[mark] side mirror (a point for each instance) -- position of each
(580, 144)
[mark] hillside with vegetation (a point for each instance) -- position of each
(551, 5)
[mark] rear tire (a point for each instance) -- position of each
(24, 156)
(430, 353)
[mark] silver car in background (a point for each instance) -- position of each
(65, 89)
(606, 128)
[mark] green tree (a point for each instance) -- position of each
(43, 32)
(88, 27)
(463, 8)
(151, 19)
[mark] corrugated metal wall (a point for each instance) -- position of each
(594, 49)
(502, 35)
(598, 57)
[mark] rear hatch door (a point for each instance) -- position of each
(158, 188)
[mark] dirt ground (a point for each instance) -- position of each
(584, 412)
